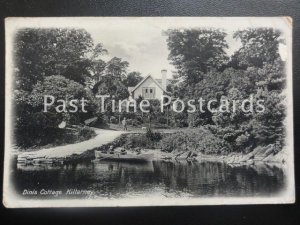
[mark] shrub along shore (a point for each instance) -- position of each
(191, 145)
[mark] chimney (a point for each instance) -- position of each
(164, 79)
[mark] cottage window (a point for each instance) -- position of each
(149, 93)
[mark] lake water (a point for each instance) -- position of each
(157, 178)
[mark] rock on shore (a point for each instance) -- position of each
(259, 154)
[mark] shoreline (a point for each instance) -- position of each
(232, 158)
(83, 151)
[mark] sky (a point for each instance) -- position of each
(139, 40)
(144, 47)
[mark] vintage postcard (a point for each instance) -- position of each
(134, 111)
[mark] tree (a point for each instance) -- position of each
(97, 65)
(78, 71)
(32, 123)
(99, 50)
(259, 46)
(132, 79)
(96, 71)
(195, 51)
(111, 87)
(116, 68)
(45, 52)
(98, 68)
(65, 89)
(269, 126)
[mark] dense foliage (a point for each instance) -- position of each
(255, 69)
(195, 51)
(198, 140)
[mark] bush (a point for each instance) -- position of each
(173, 142)
(153, 136)
(241, 140)
(149, 139)
(113, 120)
(135, 122)
(180, 120)
(40, 137)
(230, 137)
(133, 141)
(243, 143)
(85, 133)
(162, 120)
(200, 140)
(212, 128)
(139, 119)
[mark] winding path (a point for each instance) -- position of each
(103, 137)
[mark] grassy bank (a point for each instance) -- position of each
(52, 137)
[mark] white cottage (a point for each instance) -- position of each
(150, 88)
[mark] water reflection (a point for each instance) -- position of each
(171, 179)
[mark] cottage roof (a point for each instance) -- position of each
(131, 89)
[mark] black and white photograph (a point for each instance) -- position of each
(148, 111)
